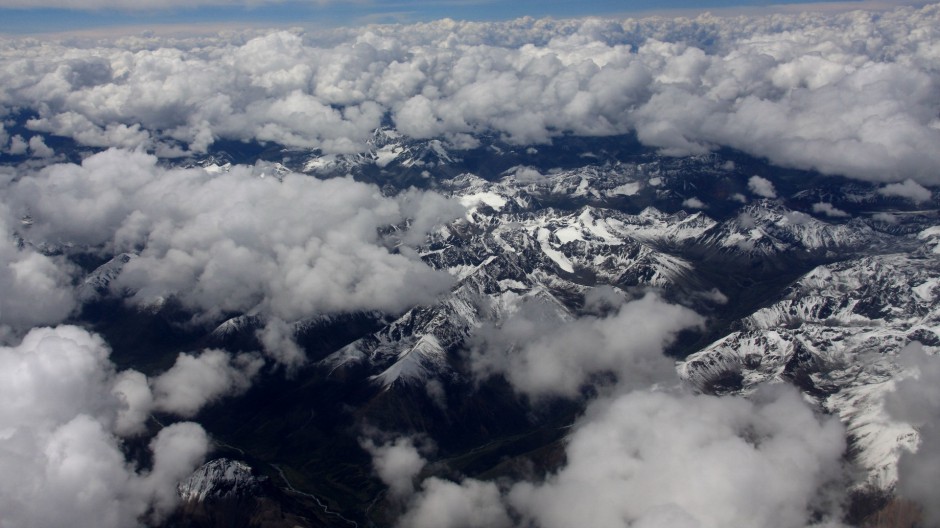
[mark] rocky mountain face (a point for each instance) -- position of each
(229, 493)
(221, 479)
(790, 294)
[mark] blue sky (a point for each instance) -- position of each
(28, 16)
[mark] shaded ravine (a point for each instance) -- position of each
(326, 509)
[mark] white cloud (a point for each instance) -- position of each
(36, 288)
(133, 390)
(18, 145)
(194, 381)
(189, 385)
(445, 504)
(425, 211)
(235, 242)
(660, 459)
(693, 203)
(761, 187)
(177, 450)
(887, 218)
(527, 174)
(54, 375)
(907, 189)
(668, 459)
(829, 210)
(643, 455)
(277, 338)
(542, 356)
(39, 149)
(397, 463)
(79, 127)
(61, 463)
(796, 89)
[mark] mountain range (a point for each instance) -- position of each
(820, 297)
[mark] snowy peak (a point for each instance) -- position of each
(671, 230)
(836, 333)
(221, 478)
(387, 149)
(98, 282)
(767, 229)
(885, 289)
(417, 362)
(503, 257)
(931, 241)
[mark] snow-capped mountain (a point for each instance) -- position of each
(790, 296)
(503, 256)
(836, 333)
(98, 282)
(219, 479)
(768, 229)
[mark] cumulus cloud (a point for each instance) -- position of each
(277, 338)
(541, 357)
(18, 145)
(847, 93)
(235, 242)
(527, 175)
(693, 203)
(61, 462)
(39, 149)
(445, 504)
(887, 218)
(426, 210)
(761, 187)
(829, 210)
(907, 189)
(664, 459)
(659, 459)
(36, 288)
(194, 381)
(397, 463)
(177, 450)
(132, 389)
(916, 400)
(54, 375)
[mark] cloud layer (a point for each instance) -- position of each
(233, 242)
(851, 93)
